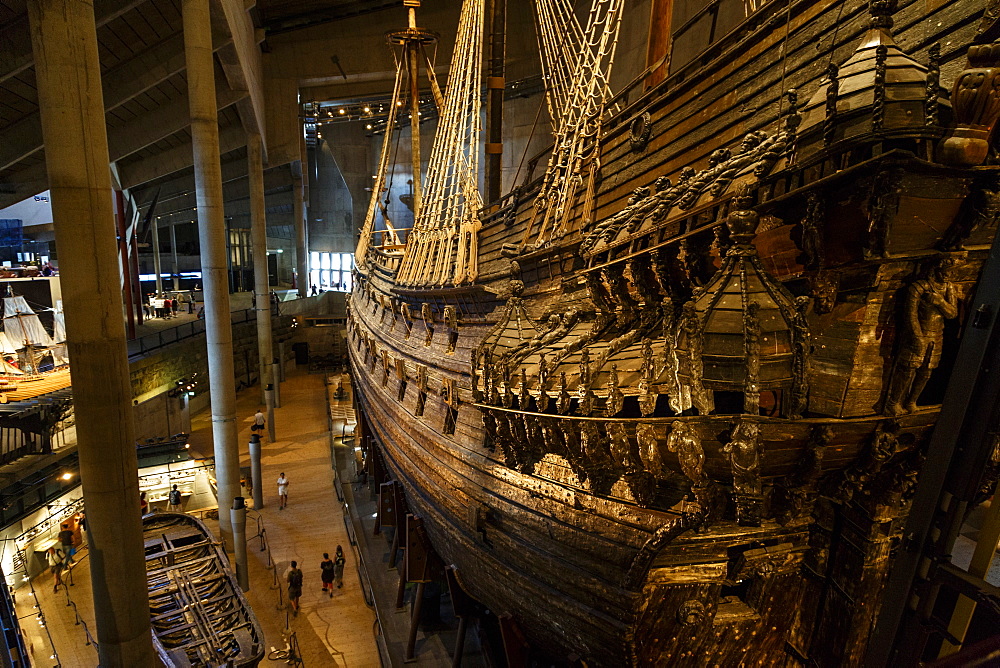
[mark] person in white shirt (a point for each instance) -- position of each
(282, 491)
(258, 422)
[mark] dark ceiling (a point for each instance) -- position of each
(278, 16)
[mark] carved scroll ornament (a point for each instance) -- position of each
(975, 99)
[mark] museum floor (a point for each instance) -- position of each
(330, 632)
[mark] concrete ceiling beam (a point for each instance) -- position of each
(233, 170)
(121, 84)
(160, 123)
(241, 62)
(137, 172)
(15, 37)
(22, 184)
(234, 191)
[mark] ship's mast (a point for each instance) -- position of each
(494, 112)
(413, 53)
(413, 40)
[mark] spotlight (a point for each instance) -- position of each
(368, 110)
(67, 476)
(342, 112)
(368, 127)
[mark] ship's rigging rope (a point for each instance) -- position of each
(442, 246)
(361, 254)
(577, 104)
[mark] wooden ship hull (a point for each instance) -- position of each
(685, 430)
(199, 613)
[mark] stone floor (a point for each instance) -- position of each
(338, 631)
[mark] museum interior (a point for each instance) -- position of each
(534, 332)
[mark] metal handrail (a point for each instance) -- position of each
(91, 640)
(41, 614)
(265, 546)
(165, 337)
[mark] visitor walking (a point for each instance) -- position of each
(326, 573)
(66, 538)
(174, 500)
(338, 567)
(55, 558)
(294, 587)
(258, 421)
(282, 491)
(143, 504)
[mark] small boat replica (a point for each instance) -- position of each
(200, 616)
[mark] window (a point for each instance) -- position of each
(331, 271)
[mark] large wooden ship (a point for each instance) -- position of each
(666, 404)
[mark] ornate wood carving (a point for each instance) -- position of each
(751, 351)
(797, 492)
(930, 301)
(933, 85)
(976, 106)
(832, 91)
(801, 344)
(615, 397)
(421, 389)
(428, 317)
(744, 451)
(639, 131)
(878, 106)
(649, 449)
(683, 440)
(690, 326)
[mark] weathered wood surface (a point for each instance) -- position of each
(586, 568)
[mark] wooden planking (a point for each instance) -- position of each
(692, 126)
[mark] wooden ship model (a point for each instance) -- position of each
(666, 404)
(199, 613)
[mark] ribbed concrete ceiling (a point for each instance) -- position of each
(279, 16)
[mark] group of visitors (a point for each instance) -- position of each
(164, 306)
(331, 572)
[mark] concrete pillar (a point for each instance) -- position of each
(67, 71)
(238, 519)
(256, 477)
(301, 249)
(214, 270)
(262, 295)
(156, 256)
(175, 266)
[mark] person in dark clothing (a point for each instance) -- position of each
(294, 587)
(338, 567)
(326, 570)
(174, 500)
(66, 538)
